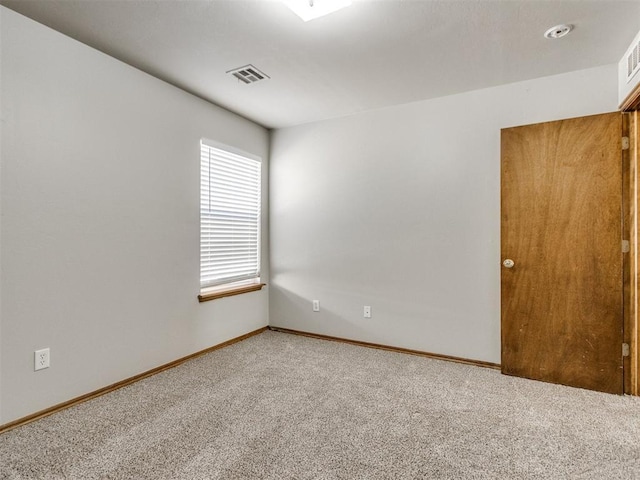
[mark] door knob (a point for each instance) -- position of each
(508, 263)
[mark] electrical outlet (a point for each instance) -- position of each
(316, 305)
(367, 311)
(41, 359)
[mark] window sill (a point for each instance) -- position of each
(229, 291)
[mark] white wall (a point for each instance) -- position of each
(99, 244)
(400, 209)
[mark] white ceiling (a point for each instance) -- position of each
(373, 54)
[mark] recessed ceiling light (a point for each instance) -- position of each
(310, 9)
(558, 31)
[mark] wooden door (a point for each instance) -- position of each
(562, 302)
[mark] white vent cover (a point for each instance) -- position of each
(633, 60)
(628, 68)
(248, 74)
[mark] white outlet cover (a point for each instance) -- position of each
(41, 359)
(316, 305)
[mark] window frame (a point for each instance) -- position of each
(231, 287)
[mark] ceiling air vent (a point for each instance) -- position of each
(248, 74)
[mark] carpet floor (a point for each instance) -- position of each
(280, 406)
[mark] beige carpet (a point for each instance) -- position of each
(278, 406)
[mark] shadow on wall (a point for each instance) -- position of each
(425, 323)
(300, 315)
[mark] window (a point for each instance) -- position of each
(230, 197)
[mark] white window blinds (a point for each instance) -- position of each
(229, 217)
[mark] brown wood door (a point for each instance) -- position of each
(562, 315)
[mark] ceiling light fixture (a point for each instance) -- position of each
(558, 31)
(311, 9)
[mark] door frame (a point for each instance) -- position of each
(631, 202)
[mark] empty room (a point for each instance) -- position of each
(319, 239)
